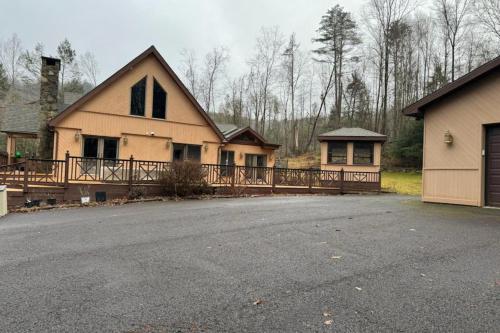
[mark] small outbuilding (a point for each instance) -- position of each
(351, 149)
(461, 162)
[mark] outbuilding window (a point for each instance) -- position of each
(138, 98)
(337, 152)
(159, 101)
(363, 153)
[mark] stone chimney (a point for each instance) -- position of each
(49, 90)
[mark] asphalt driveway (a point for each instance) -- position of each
(273, 264)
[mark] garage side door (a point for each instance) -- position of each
(493, 166)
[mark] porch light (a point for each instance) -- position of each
(270, 158)
(169, 142)
(125, 140)
(241, 156)
(205, 147)
(77, 135)
(448, 138)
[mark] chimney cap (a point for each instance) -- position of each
(51, 61)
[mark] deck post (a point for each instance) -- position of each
(310, 180)
(233, 175)
(130, 173)
(273, 179)
(66, 170)
(26, 175)
(342, 181)
(379, 181)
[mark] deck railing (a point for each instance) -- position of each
(130, 171)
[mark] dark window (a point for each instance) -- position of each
(252, 160)
(337, 152)
(100, 147)
(227, 157)
(178, 152)
(363, 153)
(110, 148)
(193, 153)
(159, 101)
(227, 161)
(184, 152)
(138, 100)
(90, 147)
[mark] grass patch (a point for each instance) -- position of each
(402, 182)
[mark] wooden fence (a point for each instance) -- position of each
(133, 172)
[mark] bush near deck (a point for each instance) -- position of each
(402, 182)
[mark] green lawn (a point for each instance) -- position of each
(402, 182)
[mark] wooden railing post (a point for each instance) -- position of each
(274, 179)
(66, 170)
(233, 175)
(342, 181)
(26, 175)
(130, 173)
(379, 181)
(310, 180)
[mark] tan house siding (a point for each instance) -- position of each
(455, 173)
(241, 150)
(377, 151)
(107, 114)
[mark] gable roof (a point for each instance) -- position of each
(113, 78)
(352, 134)
(231, 132)
(416, 109)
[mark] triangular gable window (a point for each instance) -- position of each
(138, 98)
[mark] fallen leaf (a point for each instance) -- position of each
(328, 322)
(422, 274)
(413, 230)
(336, 257)
(257, 302)
(358, 288)
(326, 314)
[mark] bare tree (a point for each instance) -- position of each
(88, 67)
(10, 56)
(190, 71)
(385, 13)
(488, 14)
(451, 16)
(215, 62)
(269, 45)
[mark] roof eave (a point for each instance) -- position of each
(353, 138)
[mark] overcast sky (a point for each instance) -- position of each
(116, 31)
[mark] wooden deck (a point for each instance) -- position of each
(64, 179)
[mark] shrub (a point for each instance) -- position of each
(184, 179)
(137, 192)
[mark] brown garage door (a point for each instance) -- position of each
(493, 166)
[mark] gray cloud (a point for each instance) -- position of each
(116, 31)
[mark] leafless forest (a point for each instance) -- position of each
(364, 68)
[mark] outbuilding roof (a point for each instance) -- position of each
(352, 134)
(416, 109)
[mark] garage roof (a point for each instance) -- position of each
(416, 109)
